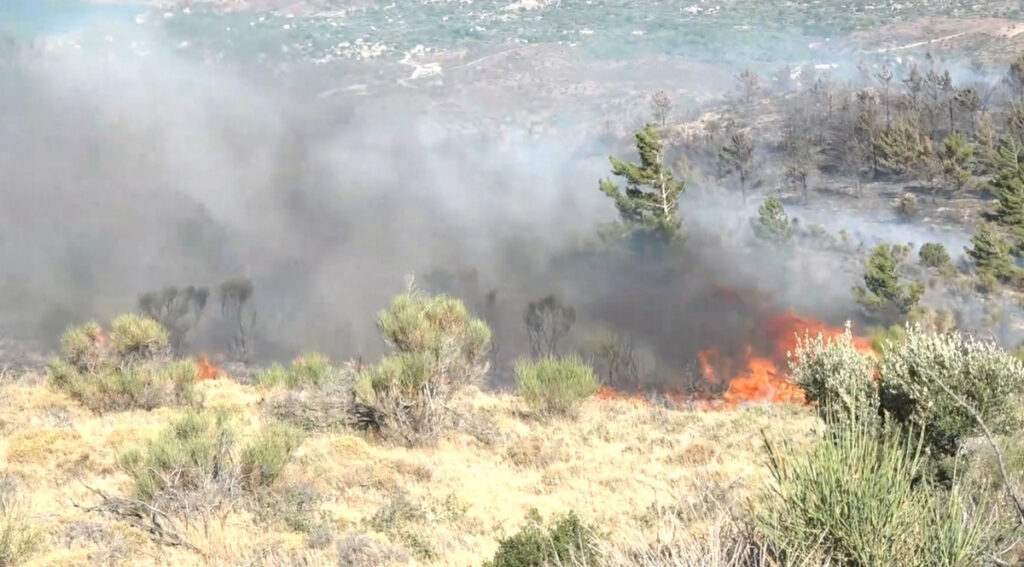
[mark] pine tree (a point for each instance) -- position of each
(737, 158)
(1015, 77)
(990, 253)
(882, 293)
(1008, 186)
(956, 156)
(651, 198)
(772, 223)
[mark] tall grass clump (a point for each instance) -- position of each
(20, 539)
(556, 385)
(129, 369)
(438, 350)
(858, 498)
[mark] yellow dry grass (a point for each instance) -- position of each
(450, 503)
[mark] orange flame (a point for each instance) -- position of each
(761, 379)
(208, 371)
(759, 374)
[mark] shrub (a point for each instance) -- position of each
(934, 255)
(855, 499)
(264, 460)
(917, 372)
(836, 375)
(556, 385)
(360, 550)
(567, 541)
(133, 386)
(881, 337)
(191, 455)
(906, 207)
(439, 350)
(136, 336)
(310, 370)
(19, 538)
(82, 345)
(190, 465)
(122, 372)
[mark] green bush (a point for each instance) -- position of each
(310, 370)
(19, 538)
(836, 376)
(916, 373)
(136, 336)
(82, 345)
(556, 385)
(856, 498)
(263, 461)
(567, 541)
(881, 337)
(191, 462)
(144, 386)
(192, 454)
(123, 372)
(934, 255)
(439, 350)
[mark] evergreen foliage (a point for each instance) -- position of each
(649, 203)
(772, 223)
(883, 294)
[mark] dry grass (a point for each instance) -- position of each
(445, 505)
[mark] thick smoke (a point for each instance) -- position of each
(125, 175)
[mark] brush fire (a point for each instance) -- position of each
(757, 372)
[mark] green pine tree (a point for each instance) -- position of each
(883, 294)
(651, 198)
(1008, 186)
(956, 156)
(990, 252)
(772, 223)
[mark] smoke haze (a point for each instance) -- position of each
(125, 175)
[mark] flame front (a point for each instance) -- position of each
(763, 378)
(756, 374)
(209, 371)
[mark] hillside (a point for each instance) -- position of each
(450, 504)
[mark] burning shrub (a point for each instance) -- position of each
(936, 381)
(855, 499)
(837, 375)
(440, 349)
(567, 541)
(19, 538)
(556, 385)
(123, 372)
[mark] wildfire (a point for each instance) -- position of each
(209, 371)
(757, 374)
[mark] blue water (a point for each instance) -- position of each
(40, 18)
